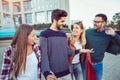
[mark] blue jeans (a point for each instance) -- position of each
(77, 71)
(98, 70)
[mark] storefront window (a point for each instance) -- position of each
(5, 6)
(40, 17)
(27, 5)
(28, 18)
(17, 19)
(16, 7)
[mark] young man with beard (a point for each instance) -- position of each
(55, 49)
(99, 38)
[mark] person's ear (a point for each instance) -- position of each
(54, 20)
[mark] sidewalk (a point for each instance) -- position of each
(4, 43)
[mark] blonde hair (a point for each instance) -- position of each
(82, 36)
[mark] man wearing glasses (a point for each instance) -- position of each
(99, 38)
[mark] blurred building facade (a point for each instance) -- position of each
(31, 11)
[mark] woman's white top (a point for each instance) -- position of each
(76, 58)
(31, 71)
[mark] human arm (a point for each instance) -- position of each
(115, 36)
(114, 45)
(6, 65)
(45, 67)
(80, 51)
(110, 31)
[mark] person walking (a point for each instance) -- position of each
(76, 41)
(22, 59)
(55, 50)
(99, 39)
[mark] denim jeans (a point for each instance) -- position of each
(77, 71)
(98, 70)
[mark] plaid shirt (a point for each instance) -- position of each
(8, 61)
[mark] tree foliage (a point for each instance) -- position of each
(115, 23)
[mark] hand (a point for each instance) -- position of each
(110, 31)
(51, 77)
(86, 51)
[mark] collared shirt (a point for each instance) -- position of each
(8, 62)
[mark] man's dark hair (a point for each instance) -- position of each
(57, 14)
(104, 17)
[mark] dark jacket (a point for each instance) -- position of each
(114, 48)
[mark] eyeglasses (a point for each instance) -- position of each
(98, 21)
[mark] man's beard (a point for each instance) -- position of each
(97, 28)
(58, 27)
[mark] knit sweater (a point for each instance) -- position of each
(55, 52)
(99, 41)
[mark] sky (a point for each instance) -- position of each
(85, 10)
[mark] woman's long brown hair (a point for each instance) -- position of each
(19, 42)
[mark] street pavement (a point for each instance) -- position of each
(111, 63)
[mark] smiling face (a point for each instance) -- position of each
(60, 23)
(31, 38)
(77, 30)
(98, 23)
